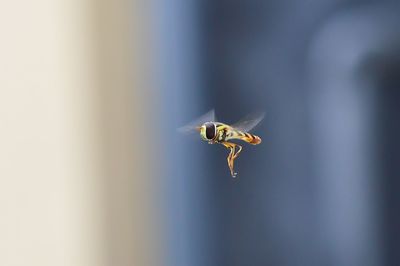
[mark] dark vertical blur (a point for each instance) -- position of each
(386, 73)
(322, 187)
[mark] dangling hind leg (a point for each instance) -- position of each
(231, 147)
(235, 155)
(232, 155)
(239, 150)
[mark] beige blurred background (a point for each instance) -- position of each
(77, 183)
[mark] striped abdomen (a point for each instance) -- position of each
(249, 138)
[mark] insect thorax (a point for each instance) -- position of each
(223, 132)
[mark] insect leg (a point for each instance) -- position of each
(239, 150)
(231, 157)
(235, 155)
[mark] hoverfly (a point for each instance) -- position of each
(219, 133)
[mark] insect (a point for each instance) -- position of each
(219, 133)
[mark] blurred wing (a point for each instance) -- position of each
(249, 122)
(195, 124)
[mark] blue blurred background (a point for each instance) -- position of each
(94, 173)
(322, 188)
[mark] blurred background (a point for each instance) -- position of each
(93, 172)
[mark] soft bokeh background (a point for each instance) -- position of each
(93, 172)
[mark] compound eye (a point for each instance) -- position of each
(210, 131)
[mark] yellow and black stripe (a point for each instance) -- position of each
(250, 138)
(225, 133)
(247, 137)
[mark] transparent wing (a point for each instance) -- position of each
(249, 122)
(193, 126)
